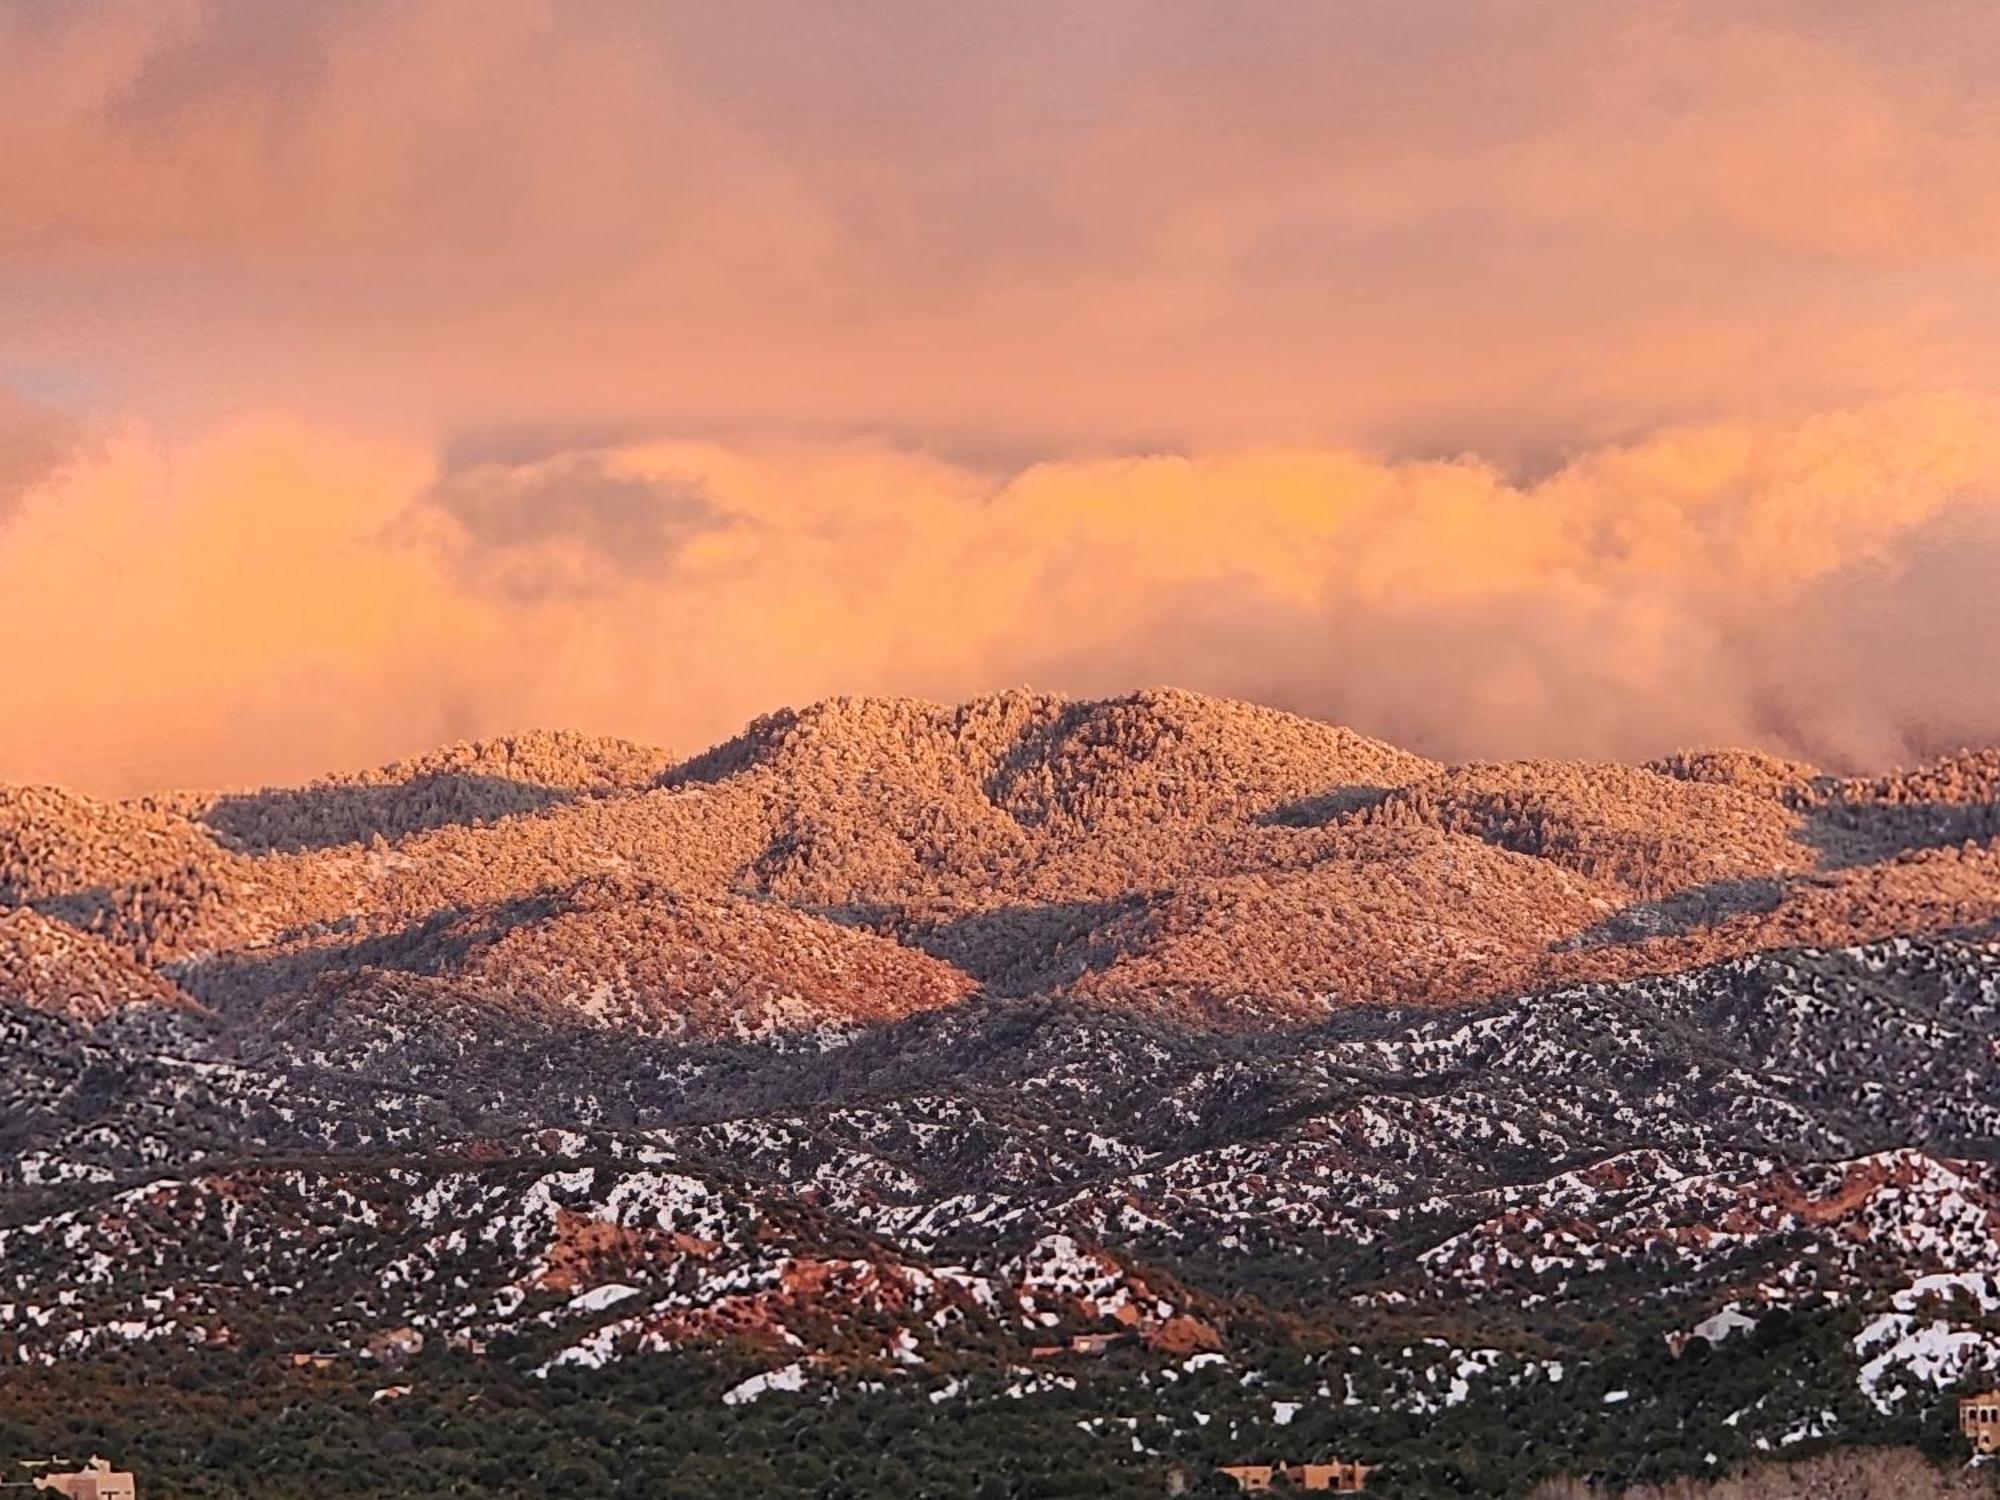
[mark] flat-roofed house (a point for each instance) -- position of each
(1252, 1479)
(1979, 1420)
(1340, 1478)
(96, 1480)
(1337, 1478)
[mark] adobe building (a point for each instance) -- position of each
(1252, 1479)
(1095, 1344)
(1342, 1479)
(1979, 1420)
(1338, 1478)
(96, 1480)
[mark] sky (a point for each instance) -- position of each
(1502, 377)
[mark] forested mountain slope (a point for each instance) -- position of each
(1076, 1091)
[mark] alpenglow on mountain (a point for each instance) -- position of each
(1085, 1093)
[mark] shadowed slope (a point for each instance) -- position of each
(478, 782)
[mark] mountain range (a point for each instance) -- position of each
(1027, 1097)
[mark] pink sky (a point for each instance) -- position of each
(1506, 379)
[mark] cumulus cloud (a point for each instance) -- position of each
(291, 599)
(1892, 656)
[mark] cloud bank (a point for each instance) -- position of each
(1503, 379)
(1822, 588)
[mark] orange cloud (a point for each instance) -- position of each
(287, 599)
(1498, 378)
(1513, 230)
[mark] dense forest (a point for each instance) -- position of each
(242, 1423)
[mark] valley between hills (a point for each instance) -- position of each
(1091, 1094)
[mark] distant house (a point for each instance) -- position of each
(1095, 1343)
(314, 1359)
(1979, 1420)
(96, 1480)
(1344, 1479)
(1252, 1478)
(1340, 1478)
